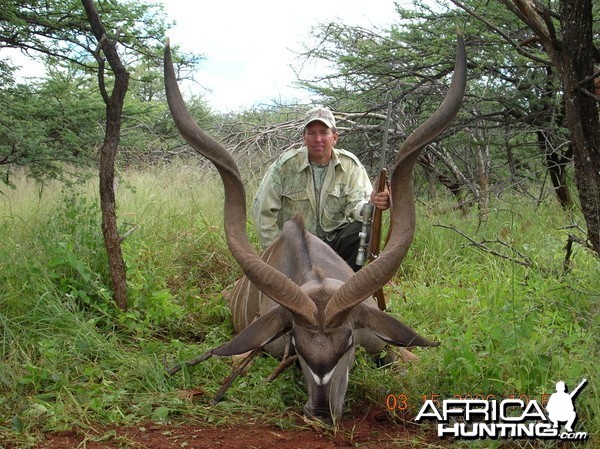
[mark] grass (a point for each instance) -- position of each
(70, 359)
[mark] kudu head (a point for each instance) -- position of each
(321, 307)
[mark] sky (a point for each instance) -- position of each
(249, 46)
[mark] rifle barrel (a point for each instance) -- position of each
(578, 388)
(386, 132)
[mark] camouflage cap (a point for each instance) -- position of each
(321, 114)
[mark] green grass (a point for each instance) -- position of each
(69, 358)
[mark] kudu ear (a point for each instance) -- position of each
(388, 328)
(265, 329)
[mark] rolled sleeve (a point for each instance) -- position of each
(361, 193)
(266, 208)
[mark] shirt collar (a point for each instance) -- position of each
(306, 163)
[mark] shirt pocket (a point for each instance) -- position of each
(295, 200)
(336, 205)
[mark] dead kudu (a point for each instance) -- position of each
(301, 296)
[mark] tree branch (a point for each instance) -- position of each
(522, 259)
(501, 33)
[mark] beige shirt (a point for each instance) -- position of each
(288, 188)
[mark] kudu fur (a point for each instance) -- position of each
(300, 291)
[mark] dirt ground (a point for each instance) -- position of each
(371, 429)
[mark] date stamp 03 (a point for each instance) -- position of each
(401, 402)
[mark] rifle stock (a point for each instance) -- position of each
(375, 243)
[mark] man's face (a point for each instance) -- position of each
(320, 140)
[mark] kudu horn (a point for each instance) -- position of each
(273, 283)
(366, 281)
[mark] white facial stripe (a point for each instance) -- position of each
(322, 380)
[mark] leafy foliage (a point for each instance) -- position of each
(60, 28)
(60, 118)
(49, 126)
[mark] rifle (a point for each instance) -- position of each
(370, 234)
(577, 389)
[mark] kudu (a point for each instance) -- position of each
(310, 297)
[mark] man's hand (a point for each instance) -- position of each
(381, 200)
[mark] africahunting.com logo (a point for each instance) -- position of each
(507, 418)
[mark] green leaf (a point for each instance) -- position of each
(160, 413)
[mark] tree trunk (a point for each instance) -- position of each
(114, 109)
(556, 160)
(482, 157)
(556, 163)
(571, 50)
(576, 62)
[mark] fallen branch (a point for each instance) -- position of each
(522, 259)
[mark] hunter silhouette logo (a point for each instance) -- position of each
(560, 405)
(506, 418)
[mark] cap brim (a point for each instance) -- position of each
(326, 122)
